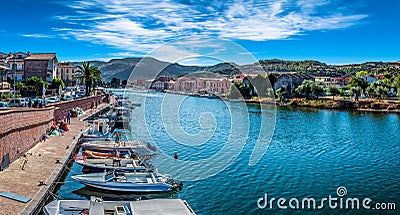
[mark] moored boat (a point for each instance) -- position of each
(120, 164)
(99, 130)
(138, 147)
(99, 207)
(128, 181)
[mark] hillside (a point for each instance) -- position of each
(122, 68)
(321, 69)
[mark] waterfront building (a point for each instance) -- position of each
(290, 81)
(323, 81)
(66, 72)
(16, 63)
(42, 65)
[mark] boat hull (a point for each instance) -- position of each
(127, 187)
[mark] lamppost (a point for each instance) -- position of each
(14, 68)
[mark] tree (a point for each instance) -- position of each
(280, 93)
(356, 92)
(238, 90)
(306, 88)
(55, 84)
(115, 82)
(20, 86)
(88, 74)
(124, 83)
(36, 84)
(372, 88)
(396, 84)
(333, 91)
(317, 90)
(361, 73)
(381, 92)
(358, 82)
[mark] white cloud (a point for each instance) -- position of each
(37, 36)
(142, 25)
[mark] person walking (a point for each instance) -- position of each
(69, 117)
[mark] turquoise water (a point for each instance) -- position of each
(312, 153)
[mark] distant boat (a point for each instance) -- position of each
(99, 207)
(134, 182)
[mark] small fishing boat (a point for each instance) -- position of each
(138, 147)
(119, 164)
(99, 130)
(135, 182)
(96, 206)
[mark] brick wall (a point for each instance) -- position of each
(21, 129)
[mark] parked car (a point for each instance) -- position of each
(68, 97)
(37, 101)
(18, 102)
(4, 105)
(52, 99)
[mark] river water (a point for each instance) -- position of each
(312, 153)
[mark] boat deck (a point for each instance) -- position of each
(162, 206)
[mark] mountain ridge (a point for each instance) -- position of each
(122, 68)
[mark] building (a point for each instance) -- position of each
(4, 86)
(290, 81)
(323, 81)
(218, 86)
(16, 63)
(369, 79)
(66, 72)
(340, 81)
(42, 65)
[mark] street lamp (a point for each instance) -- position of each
(14, 68)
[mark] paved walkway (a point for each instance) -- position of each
(41, 163)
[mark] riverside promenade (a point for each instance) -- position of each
(44, 162)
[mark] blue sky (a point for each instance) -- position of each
(332, 31)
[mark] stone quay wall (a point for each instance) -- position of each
(23, 128)
(61, 108)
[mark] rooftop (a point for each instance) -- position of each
(41, 56)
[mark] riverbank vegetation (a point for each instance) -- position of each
(361, 92)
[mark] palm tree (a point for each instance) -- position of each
(88, 74)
